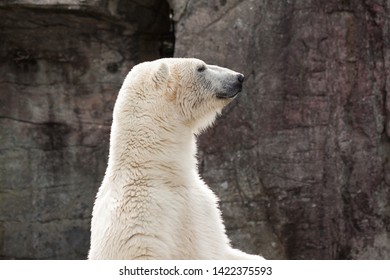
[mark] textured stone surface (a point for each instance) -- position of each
(301, 160)
(61, 66)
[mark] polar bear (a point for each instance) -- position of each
(152, 203)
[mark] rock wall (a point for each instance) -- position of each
(61, 66)
(301, 159)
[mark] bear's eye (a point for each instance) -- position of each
(201, 68)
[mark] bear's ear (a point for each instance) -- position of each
(161, 76)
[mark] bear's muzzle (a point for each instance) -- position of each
(232, 88)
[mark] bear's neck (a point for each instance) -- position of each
(164, 153)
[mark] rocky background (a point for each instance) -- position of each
(61, 66)
(300, 161)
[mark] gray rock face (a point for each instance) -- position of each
(301, 160)
(61, 66)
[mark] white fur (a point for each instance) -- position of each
(152, 203)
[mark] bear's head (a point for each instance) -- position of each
(192, 90)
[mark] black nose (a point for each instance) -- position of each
(241, 78)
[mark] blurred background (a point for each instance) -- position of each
(300, 161)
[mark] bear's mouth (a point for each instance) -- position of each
(227, 95)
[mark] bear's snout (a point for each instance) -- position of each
(232, 87)
(240, 78)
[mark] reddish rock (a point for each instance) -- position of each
(300, 160)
